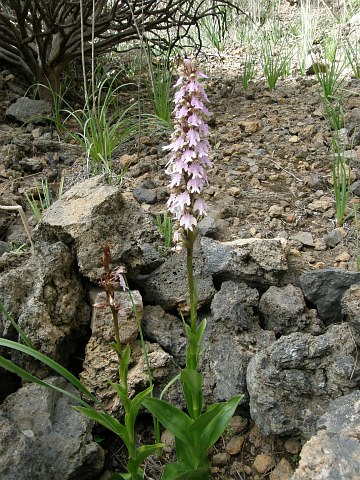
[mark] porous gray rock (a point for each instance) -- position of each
(284, 311)
(165, 329)
(42, 437)
(168, 286)
(29, 110)
(143, 195)
(334, 452)
(292, 382)
(325, 288)
(231, 339)
(350, 304)
(45, 296)
(259, 262)
(92, 213)
(101, 365)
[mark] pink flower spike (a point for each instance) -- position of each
(200, 206)
(204, 129)
(188, 221)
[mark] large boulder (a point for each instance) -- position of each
(325, 288)
(292, 382)
(334, 452)
(92, 213)
(231, 339)
(258, 262)
(45, 296)
(42, 437)
(168, 286)
(284, 311)
(29, 110)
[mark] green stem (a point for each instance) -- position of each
(144, 349)
(193, 347)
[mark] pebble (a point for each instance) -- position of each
(143, 195)
(343, 257)
(220, 459)
(305, 238)
(294, 139)
(275, 211)
(263, 463)
(282, 471)
(333, 238)
(234, 445)
(292, 445)
(238, 424)
(168, 439)
(234, 191)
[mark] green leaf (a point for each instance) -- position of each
(11, 367)
(201, 329)
(144, 451)
(192, 386)
(106, 421)
(173, 419)
(180, 471)
(52, 364)
(124, 364)
(123, 394)
(218, 423)
(22, 334)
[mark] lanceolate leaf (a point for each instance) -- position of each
(11, 367)
(217, 425)
(144, 451)
(192, 385)
(52, 364)
(179, 471)
(173, 419)
(22, 334)
(107, 421)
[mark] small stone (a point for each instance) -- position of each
(321, 205)
(238, 424)
(292, 445)
(333, 238)
(239, 467)
(319, 265)
(235, 444)
(343, 257)
(263, 463)
(294, 139)
(275, 211)
(168, 439)
(305, 238)
(143, 195)
(234, 191)
(282, 471)
(220, 459)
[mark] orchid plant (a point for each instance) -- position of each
(196, 432)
